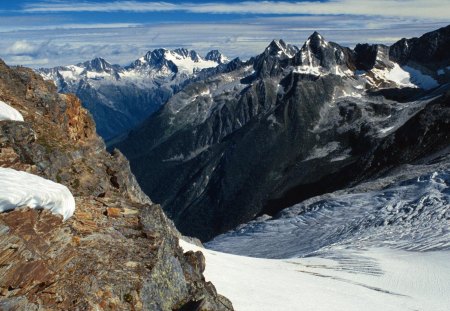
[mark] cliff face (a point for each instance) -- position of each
(118, 252)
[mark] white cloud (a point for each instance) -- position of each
(411, 8)
(26, 48)
(69, 26)
(22, 47)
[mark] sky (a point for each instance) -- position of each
(48, 33)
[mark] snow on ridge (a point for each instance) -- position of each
(322, 152)
(23, 189)
(317, 70)
(187, 64)
(9, 113)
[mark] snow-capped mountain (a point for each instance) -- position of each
(216, 56)
(119, 97)
(254, 137)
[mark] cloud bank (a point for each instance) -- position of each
(406, 8)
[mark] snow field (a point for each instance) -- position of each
(374, 279)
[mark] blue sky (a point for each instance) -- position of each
(58, 32)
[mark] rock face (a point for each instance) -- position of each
(119, 251)
(119, 98)
(289, 124)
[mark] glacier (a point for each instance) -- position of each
(381, 245)
(413, 214)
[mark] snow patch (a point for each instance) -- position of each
(187, 64)
(23, 189)
(319, 71)
(395, 74)
(9, 113)
(273, 120)
(405, 77)
(308, 69)
(386, 130)
(420, 79)
(322, 152)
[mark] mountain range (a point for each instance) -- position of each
(119, 98)
(252, 138)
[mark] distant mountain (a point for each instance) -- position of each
(251, 138)
(118, 97)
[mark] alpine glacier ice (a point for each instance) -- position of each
(411, 215)
(383, 245)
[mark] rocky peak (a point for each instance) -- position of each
(215, 56)
(155, 56)
(280, 49)
(368, 56)
(431, 50)
(318, 56)
(274, 58)
(194, 56)
(184, 53)
(315, 41)
(155, 59)
(316, 51)
(98, 64)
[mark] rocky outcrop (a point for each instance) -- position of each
(118, 251)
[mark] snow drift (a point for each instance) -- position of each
(22, 189)
(9, 113)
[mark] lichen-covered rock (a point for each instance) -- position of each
(118, 252)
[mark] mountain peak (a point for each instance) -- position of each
(182, 52)
(216, 56)
(276, 45)
(317, 56)
(97, 64)
(280, 48)
(316, 40)
(315, 34)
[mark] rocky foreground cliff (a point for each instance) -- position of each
(118, 251)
